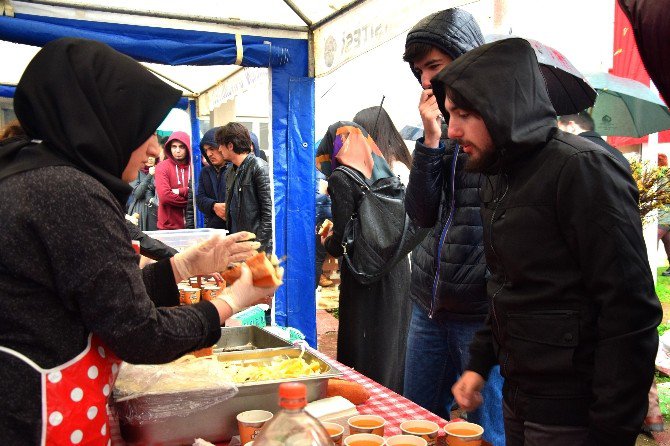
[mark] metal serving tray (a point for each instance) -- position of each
(217, 423)
(247, 338)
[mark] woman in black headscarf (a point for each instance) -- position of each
(374, 318)
(73, 301)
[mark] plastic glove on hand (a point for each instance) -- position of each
(215, 254)
(243, 294)
(265, 271)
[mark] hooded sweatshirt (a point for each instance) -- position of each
(170, 175)
(573, 311)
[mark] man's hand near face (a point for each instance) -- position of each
(220, 210)
(431, 116)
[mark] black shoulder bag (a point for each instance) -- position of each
(379, 233)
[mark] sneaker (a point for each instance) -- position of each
(324, 281)
(666, 273)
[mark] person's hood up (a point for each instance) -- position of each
(208, 138)
(453, 30)
(183, 138)
(91, 106)
(257, 146)
(502, 81)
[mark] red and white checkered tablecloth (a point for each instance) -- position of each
(392, 407)
(387, 404)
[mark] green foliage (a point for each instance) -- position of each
(663, 292)
(663, 396)
(653, 182)
(663, 286)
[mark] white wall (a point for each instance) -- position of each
(362, 82)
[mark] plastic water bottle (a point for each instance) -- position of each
(292, 425)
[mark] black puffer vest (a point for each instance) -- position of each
(458, 290)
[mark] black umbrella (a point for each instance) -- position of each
(568, 90)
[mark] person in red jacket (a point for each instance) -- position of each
(172, 179)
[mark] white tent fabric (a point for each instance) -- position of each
(271, 18)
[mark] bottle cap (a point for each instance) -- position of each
(292, 395)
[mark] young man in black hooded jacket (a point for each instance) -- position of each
(448, 287)
(573, 313)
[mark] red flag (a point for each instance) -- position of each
(628, 64)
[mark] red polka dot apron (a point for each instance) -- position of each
(74, 397)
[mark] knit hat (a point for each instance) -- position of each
(453, 31)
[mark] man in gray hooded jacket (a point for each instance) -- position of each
(448, 286)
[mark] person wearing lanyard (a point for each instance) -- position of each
(73, 301)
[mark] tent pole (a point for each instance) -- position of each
(298, 12)
(183, 87)
(337, 13)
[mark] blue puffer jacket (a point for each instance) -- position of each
(457, 290)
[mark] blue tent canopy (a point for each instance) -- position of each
(7, 91)
(292, 125)
(147, 44)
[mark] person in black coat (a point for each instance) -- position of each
(373, 318)
(248, 195)
(573, 313)
(143, 200)
(149, 246)
(448, 286)
(74, 301)
(582, 124)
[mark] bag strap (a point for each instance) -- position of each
(354, 175)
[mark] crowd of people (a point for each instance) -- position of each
(532, 294)
(530, 304)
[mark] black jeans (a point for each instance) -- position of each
(519, 432)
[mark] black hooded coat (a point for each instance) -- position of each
(573, 311)
(374, 318)
(67, 268)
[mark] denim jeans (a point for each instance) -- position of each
(437, 354)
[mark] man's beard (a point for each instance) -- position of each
(484, 160)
